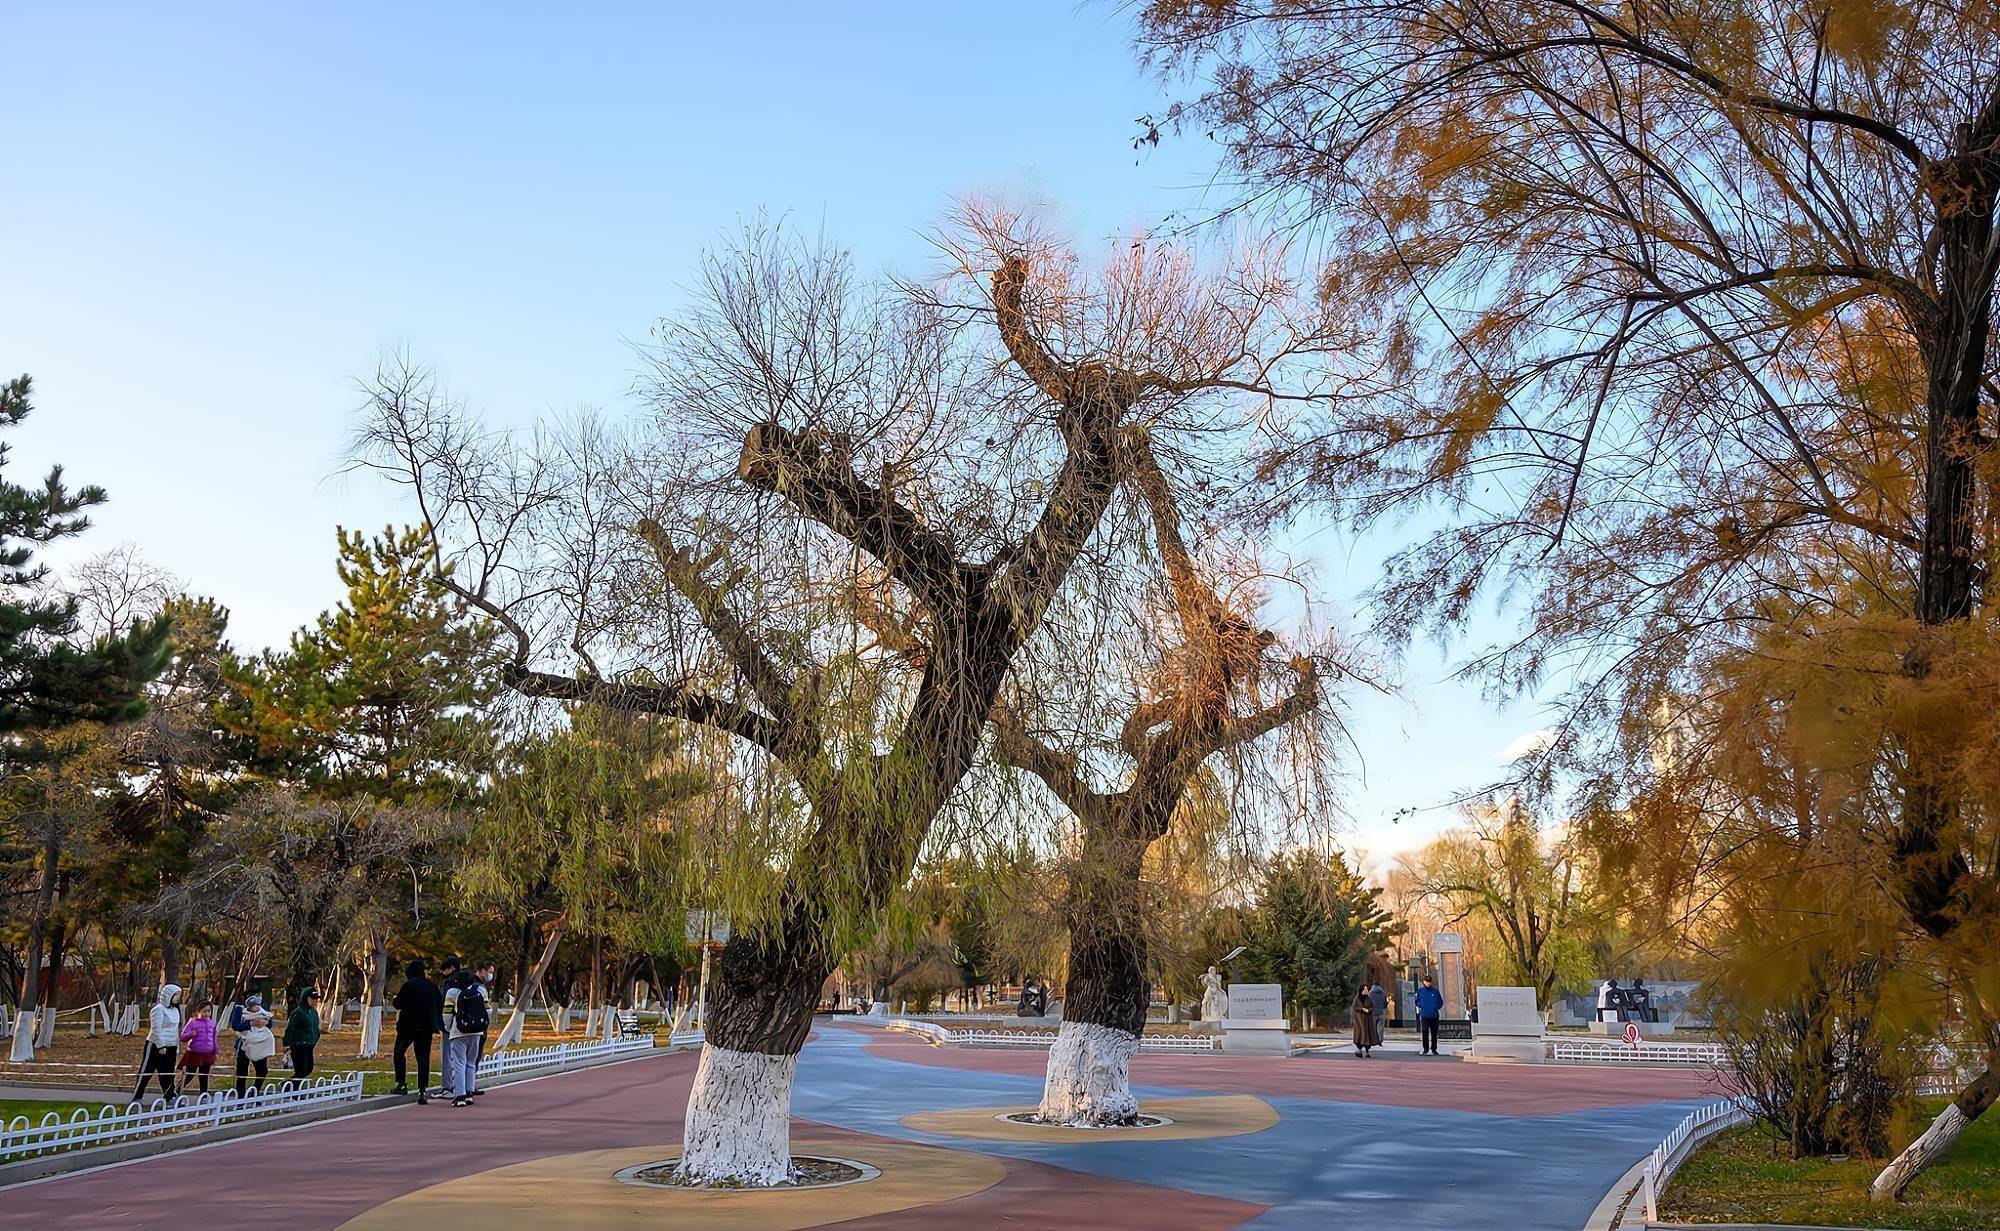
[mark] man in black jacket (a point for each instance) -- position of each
(419, 1010)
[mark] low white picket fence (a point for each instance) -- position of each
(940, 1035)
(1705, 1122)
(1565, 1051)
(1700, 1124)
(561, 1055)
(111, 1123)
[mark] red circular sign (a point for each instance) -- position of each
(1632, 1033)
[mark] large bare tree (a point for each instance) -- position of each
(812, 435)
(1215, 683)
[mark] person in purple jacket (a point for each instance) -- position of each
(198, 1043)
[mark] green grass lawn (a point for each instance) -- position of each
(1741, 1176)
(35, 1109)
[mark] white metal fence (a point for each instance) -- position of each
(1667, 1156)
(561, 1055)
(1564, 1051)
(935, 1033)
(111, 1123)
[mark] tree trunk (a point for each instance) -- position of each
(1931, 868)
(377, 995)
(45, 901)
(1088, 1081)
(518, 1019)
(596, 971)
(527, 946)
(764, 989)
(170, 958)
(1936, 1140)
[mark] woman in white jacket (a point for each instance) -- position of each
(163, 1042)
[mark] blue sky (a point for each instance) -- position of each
(215, 217)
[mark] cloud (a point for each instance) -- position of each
(1527, 745)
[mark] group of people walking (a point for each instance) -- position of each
(1371, 1014)
(459, 1011)
(182, 1047)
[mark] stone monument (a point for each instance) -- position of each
(1448, 951)
(1509, 1027)
(1255, 1024)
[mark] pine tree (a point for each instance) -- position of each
(46, 679)
(381, 696)
(1313, 929)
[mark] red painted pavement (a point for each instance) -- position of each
(318, 1176)
(1445, 1085)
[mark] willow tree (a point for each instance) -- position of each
(1215, 683)
(587, 815)
(809, 431)
(1685, 311)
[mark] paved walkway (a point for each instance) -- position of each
(1440, 1144)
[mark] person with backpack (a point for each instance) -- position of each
(447, 979)
(255, 1044)
(419, 1012)
(466, 1017)
(302, 1032)
(484, 973)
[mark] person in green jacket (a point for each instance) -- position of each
(302, 1032)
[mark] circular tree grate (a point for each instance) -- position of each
(808, 1171)
(1035, 1118)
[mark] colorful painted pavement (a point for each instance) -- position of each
(1256, 1143)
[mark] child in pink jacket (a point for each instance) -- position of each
(198, 1044)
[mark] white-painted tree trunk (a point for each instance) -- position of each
(510, 1034)
(1919, 1154)
(739, 1118)
(1089, 1078)
(371, 1032)
(46, 1036)
(25, 1029)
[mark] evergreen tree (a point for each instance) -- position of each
(180, 770)
(383, 699)
(46, 678)
(1313, 929)
(382, 696)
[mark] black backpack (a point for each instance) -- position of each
(472, 1017)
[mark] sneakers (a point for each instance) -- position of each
(423, 1099)
(401, 1089)
(462, 1101)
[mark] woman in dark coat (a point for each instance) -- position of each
(1364, 1023)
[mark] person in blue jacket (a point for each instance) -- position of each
(1430, 1002)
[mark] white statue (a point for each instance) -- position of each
(1214, 1001)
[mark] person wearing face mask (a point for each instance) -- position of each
(163, 1043)
(485, 972)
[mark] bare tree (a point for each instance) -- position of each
(295, 868)
(1219, 684)
(811, 435)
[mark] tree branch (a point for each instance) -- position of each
(790, 465)
(685, 569)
